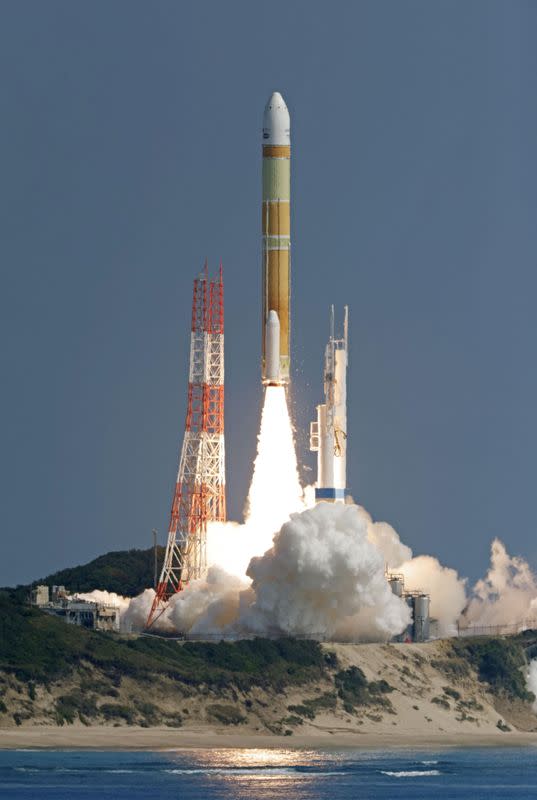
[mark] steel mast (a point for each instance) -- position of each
(199, 495)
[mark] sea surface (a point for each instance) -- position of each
(262, 774)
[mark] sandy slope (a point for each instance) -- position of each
(431, 704)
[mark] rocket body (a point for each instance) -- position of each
(328, 433)
(276, 232)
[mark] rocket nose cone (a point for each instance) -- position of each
(276, 121)
(273, 321)
(275, 101)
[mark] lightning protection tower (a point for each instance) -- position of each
(199, 495)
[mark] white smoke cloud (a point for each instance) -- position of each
(445, 588)
(210, 605)
(135, 616)
(107, 598)
(323, 576)
(387, 541)
(507, 595)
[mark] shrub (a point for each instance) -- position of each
(310, 708)
(292, 720)
(352, 686)
(327, 700)
(303, 711)
(453, 668)
(331, 660)
(149, 711)
(117, 711)
(499, 663)
(472, 703)
(68, 706)
(441, 701)
(226, 714)
(380, 687)
(98, 686)
(174, 721)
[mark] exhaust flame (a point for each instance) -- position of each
(275, 493)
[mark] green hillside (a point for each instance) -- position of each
(127, 572)
(37, 647)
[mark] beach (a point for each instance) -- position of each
(137, 738)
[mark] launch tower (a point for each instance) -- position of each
(199, 495)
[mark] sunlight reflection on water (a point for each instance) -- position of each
(262, 773)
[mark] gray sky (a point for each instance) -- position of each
(130, 150)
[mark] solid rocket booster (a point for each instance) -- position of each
(276, 232)
(272, 349)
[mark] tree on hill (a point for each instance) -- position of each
(127, 572)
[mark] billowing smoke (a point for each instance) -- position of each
(323, 576)
(446, 590)
(387, 541)
(107, 598)
(211, 607)
(507, 595)
(295, 568)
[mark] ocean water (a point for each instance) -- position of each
(262, 774)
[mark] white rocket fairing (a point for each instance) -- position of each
(328, 434)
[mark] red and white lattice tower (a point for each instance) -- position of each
(199, 495)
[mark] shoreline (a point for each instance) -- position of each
(125, 739)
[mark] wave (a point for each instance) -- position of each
(412, 773)
(232, 771)
(76, 770)
(258, 770)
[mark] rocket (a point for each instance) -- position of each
(276, 238)
(328, 433)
